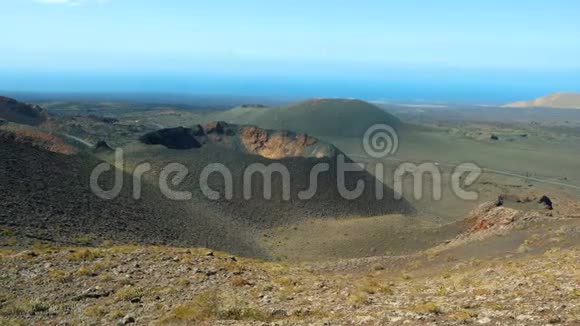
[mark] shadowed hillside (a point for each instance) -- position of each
(258, 211)
(12, 110)
(49, 198)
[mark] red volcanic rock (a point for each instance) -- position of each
(275, 144)
(217, 127)
(490, 216)
(38, 139)
(270, 144)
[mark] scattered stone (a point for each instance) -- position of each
(555, 320)
(484, 320)
(279, 314)
(547, 202)
(28, 253)
(102, 147)
(128, 319)
(92, 294)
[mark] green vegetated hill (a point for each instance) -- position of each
(320, 117)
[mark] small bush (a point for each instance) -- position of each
(106, 277)
(96, 311)
(463, 315)
(211, 306)
(15, 309)
(481, 292)
(239, 281)
(59, 276)
(38, 306)
(85, 271)
(371, 286)
(129, 293)
(428, 308)
(406, 276)
(85, 254)
(43, 247)
(442, 291)
(23, 307)
(7, 233)
(285, 281)
(85, 239)
(358, 299)
(183, 282)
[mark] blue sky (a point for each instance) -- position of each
(453, 42)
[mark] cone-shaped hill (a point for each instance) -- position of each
(319, 117)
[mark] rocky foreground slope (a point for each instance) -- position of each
(508, 268)
(183, 286)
